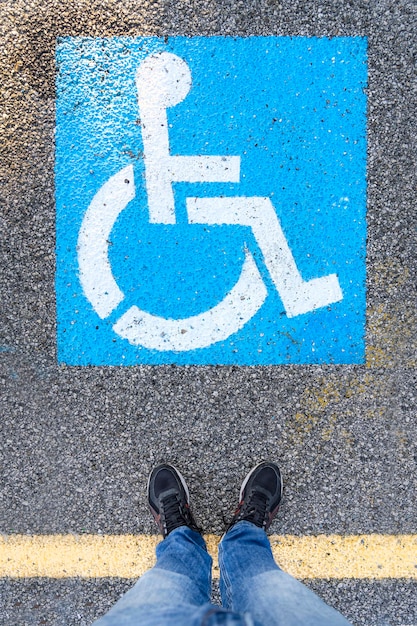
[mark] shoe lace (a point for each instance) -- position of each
(255, 510)
(172, 512)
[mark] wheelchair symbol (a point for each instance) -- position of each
(163, 80)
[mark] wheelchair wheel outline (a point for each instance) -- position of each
(139, 327)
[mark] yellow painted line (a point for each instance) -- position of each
(129, 556)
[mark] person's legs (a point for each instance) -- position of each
(176, 592)
(250, 580)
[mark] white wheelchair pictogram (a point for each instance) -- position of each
(164, 80)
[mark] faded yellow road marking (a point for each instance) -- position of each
(129, 556)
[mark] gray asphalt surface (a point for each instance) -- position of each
(77, 444)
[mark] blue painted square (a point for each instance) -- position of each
(199, 288)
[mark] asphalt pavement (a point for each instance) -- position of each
(78, 442)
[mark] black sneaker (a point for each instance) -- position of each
(260, 496)
(169, 499)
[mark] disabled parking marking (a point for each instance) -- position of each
(164, 80)
(370, 556)
(211, 200)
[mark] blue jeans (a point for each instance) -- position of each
(254, 590)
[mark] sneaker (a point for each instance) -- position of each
(260, 496)
(169, 500)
